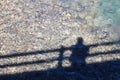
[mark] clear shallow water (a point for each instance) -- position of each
(104, 14)
(107, 9)
(110, 9)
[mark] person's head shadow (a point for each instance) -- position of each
(80, 40)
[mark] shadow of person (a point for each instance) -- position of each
(78, 55)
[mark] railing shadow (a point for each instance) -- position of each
(79, 69)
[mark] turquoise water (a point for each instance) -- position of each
(110, 9)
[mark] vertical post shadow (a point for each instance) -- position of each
(60, 58)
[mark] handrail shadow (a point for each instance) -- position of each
(79, 69)
(54, 50)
